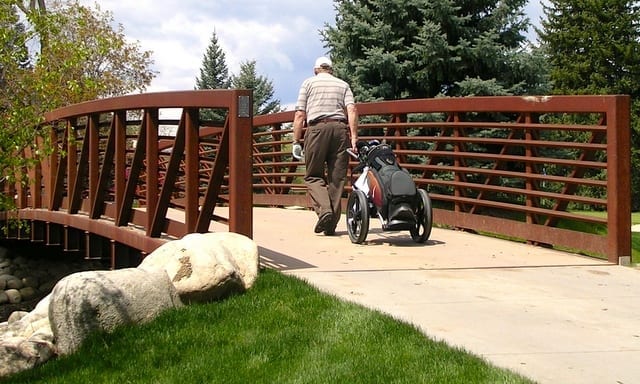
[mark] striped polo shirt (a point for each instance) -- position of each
(324, 96)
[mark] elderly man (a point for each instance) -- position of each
(327, 105)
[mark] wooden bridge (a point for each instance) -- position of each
(514, 166)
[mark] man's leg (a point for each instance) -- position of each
(316, 145)
(338, 162)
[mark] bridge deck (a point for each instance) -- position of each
(552, 316)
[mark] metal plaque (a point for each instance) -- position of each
(244, 105)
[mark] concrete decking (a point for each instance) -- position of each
(552, 316)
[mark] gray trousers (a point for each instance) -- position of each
(325, 144)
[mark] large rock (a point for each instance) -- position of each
(26, 340)
(100, 301)
(207, 266)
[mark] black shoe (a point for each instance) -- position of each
(329, 232)
(323, 222)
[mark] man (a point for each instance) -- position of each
(327, 105)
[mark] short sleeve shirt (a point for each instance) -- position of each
(324, 96)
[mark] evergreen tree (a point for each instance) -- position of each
(594, 48)
(263, 101)
(392, 49)
(214, 74)
(262, 87)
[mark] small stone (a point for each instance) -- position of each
(47, 286)
(3, 297)
(20, 260)
(28, 293)
(6, 276)
(13, 295)
(14, 283)
(30, 281)
(20, 273)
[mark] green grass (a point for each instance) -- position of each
(602, 230)
(280, 331)
(598, 229)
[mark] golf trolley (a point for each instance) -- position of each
(387, 191)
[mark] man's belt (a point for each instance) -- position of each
(327, 120)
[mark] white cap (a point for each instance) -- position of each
(320, 61)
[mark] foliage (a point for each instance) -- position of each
(214, 73)
(81, 50)
(594, 48)
(281, 331)
(418, 48)
(248, 78)
(53, 57)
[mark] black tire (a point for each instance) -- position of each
(421, 231)
(357, 217)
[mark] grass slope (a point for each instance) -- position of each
(281, 331)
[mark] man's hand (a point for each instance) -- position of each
(297, 151)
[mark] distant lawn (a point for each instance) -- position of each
(281, 331)
(599, 229)
(602, 230)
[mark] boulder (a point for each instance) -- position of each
(100, 301)
(26, 340)
(207, 266)
(18, 354)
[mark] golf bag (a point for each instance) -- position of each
(396, 194)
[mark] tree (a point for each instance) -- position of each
(594, 48)
(420, 48)
(76, 56)
(80, 49)
(214, 74)
(263, 101)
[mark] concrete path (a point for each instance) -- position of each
(554, 317)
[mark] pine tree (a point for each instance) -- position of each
(594, 48)
(214, 74)
(248, 78)
(263, 101)
(392, 49)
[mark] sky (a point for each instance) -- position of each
(282, 36)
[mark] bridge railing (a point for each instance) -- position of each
(521, 167)
(517, 166)
(116, 164)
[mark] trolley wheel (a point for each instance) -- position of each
(421, 231)
(357, 216)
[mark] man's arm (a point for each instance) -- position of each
(298, 123)
(352, 113)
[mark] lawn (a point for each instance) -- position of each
(281, 331)
(602, 230)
